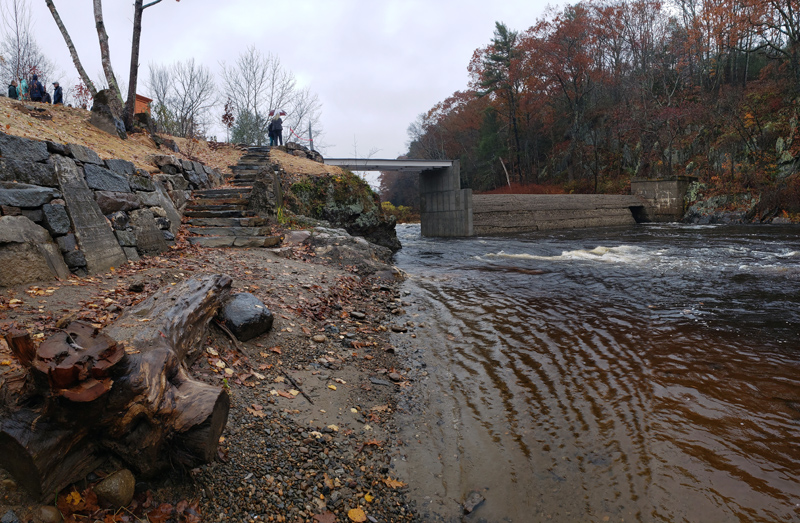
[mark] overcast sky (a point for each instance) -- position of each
(375, 65)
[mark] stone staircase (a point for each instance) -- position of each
(220, 217)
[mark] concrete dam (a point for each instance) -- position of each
(447, 210)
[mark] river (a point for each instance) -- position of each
(649, 373)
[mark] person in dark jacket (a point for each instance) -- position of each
(277, 129)
(37, 90)
(12, 90)
(46, 98)
(58, 94)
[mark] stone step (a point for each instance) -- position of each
(217, 214)
(230, 231)
(242, 183)
(221, 193)
(224, 207)
(235, 241)
(254, 221)
(219, 201)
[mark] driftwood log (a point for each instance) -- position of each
(125, 390)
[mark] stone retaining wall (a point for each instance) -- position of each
(61, 205)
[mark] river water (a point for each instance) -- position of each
(649, 373)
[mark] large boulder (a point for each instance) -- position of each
(246, 316)
(25, 195)
(344, 201)
(107, 114)
(27, 253)
(55, 219)
(339, 247)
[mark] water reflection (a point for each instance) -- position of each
(646, 374)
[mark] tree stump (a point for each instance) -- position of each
(125, 391)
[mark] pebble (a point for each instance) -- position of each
(48, 514)
(10, 517)
(9, 484)
(319, 338)
(358, 315)
(395, 376)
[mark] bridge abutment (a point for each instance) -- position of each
(664, 198)
(445, 208)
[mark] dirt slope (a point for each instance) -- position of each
(62, 124)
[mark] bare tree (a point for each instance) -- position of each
(22, 56)
(184, 94)
(72, 51)
(258, 84)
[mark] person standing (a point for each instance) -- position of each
(277, 129)
(46, 98)
(271, 132)
(23, 89)
(58, 94)
(12, 90)
(37, 91)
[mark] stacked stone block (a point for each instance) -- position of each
(96, 213)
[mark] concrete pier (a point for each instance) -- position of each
(664, 198)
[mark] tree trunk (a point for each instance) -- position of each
(86, 397)
(84, 77)
(105, 53)
(133, 76)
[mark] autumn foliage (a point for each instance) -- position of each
(597, 93)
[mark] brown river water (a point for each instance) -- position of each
(643, 374)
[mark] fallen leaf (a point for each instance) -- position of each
(285, 394)
(357, 515)
(393, 483)
(332, 387)
(380, 408)
(325, 517)
(369, 497)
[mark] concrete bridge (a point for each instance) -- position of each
(447, 210)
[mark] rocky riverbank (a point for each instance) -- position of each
(311, 427)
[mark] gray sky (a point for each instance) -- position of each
(375, 65)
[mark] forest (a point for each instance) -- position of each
(600, 92)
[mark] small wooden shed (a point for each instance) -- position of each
(142, 104)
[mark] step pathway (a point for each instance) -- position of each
(220, 218)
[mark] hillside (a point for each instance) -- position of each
(71, 125)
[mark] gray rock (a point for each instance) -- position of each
(75, 259)
(179, 198)
(126, 238)
(149, 199)
(27, 253)
(12, 170)
(111, 202)
(176, 183)
(95, 238)
(25, 195)
(196, 181)
(171, 169)
(168, 236)
(169, 207)
(22, 148)
(103, 118)
(84, 154)
(149, 239)
(119, 220)
(117, 489)
(102, 179)
(473, 501)
(34, 215)
(9, 517)
(187, 165)
(139, 182)
(161, 160)
(164, 224)
(131, 253)
(158, 212)
(55, 219)
(121, 166)
(246, 316)
(199, 168)
(67, 242)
